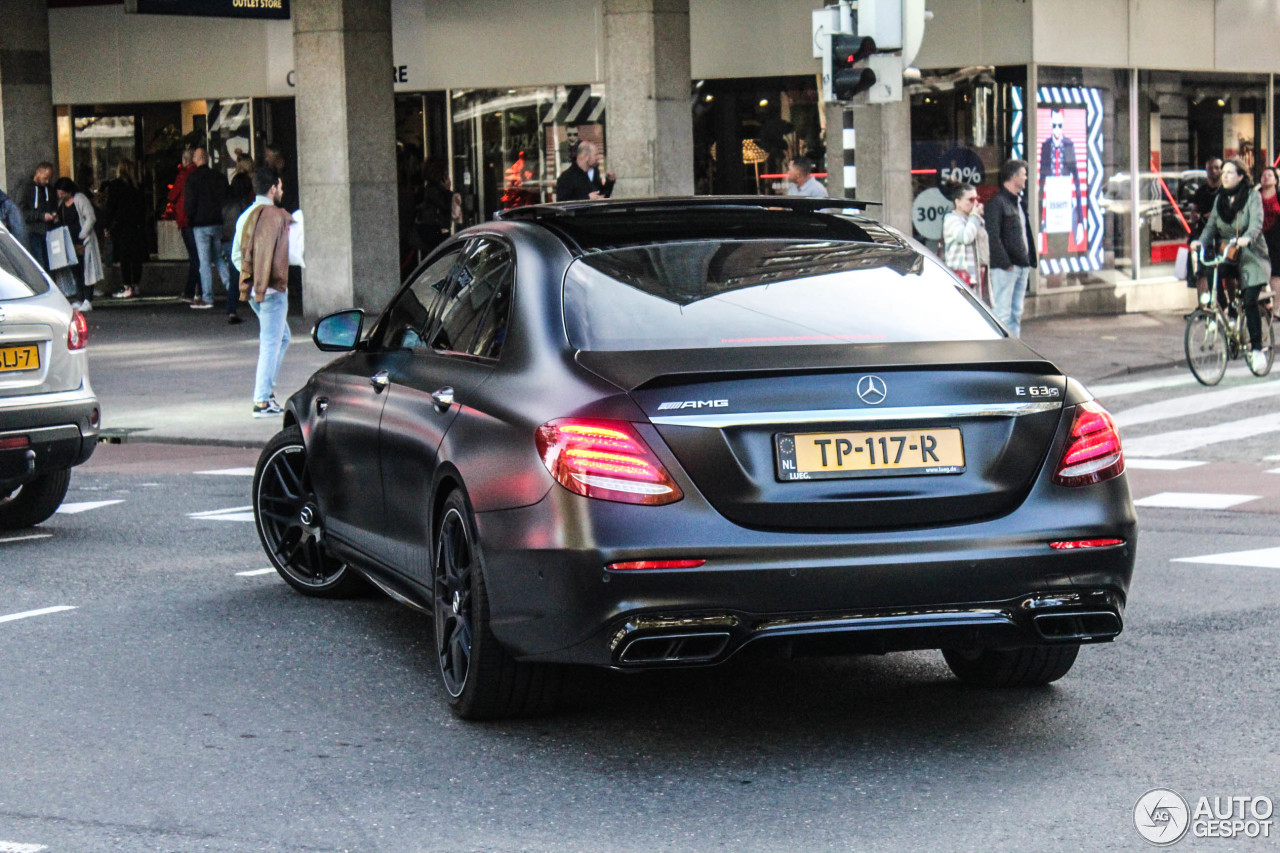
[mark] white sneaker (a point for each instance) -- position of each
(1257, 359)
(85, 307)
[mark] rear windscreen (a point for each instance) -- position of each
(765, 293)
(19, 275)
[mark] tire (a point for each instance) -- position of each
(34, 501)
(289, 522)
(1205, 343)
(1035, 666)
(1268, 343)
(481, 679)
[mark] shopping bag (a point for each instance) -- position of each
(61, 251)
(1180, 262)
(297, 240)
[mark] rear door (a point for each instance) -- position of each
(433, 388)
(345, 452)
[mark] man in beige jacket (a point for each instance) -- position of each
(260, 252)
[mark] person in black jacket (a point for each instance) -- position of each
(205, 193)
(1013, 246)
(582, 180)
(39, 205)
(125, 219)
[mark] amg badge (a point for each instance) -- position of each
(694, 404)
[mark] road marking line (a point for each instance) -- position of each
(1186, 440)
(1120, 389)
(15, 847)
(1194, 500)
(229, 472)
(1160, 464)
(1262, 558)
(44, 611)
(255, 573)
(235, 513)
(1273, 471)
(1271, 458)
(84, 506)
(24, 539)
(1194, 404)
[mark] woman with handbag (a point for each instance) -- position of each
(76, 212)
(1237, 215)
(964, 236)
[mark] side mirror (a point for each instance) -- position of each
(339, 332)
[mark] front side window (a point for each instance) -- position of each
(411, 316)
(760, 293)
(474, 315)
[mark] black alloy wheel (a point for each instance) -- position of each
(482, 679)
(289, 522)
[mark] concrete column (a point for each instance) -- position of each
(346, 152)
(27, 133)
(884, 161)
(647, 80)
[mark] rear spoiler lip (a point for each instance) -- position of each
(641, 369)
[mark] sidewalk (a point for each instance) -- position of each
(164, 372)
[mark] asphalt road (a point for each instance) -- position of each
(182, 706)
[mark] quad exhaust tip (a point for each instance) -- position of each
(1080, 626)
(698, 647)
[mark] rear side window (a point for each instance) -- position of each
(19, 275)
(765, 293)
(475, 313)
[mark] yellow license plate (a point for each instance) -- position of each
(828, 455)
(19, 358)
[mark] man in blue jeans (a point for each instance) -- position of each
(203, 197)
(1013, 246)
(260, 251)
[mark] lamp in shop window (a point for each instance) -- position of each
(755, 155)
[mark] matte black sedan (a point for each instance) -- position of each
(654, 433)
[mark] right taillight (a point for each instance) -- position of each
(1093, 453)
(77, 331)
(605, 459)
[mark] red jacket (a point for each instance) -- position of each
(177, 194)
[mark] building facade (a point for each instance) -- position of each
(493, 94)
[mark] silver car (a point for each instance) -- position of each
(49, 415)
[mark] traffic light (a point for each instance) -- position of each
(848, 78)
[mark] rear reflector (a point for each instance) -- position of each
(77, 331)
(655, 564)
(1093, 453)
(1071, 544)
(14, 442)
(605, 459)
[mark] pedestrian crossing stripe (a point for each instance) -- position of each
(84, 506)
(235, 513)
(1262, 558)
(1160, 464)
(228, 472)
(1194, 500)
(255, 572)
(1185, 440)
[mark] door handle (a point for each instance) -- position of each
(380, 380)
(322, 405)
(443, 399)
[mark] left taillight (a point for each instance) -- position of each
(77, 331)
(605, 459)
(1093, 453)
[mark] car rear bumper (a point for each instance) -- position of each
(61, 432)
(994, 583)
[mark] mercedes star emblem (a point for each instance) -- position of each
(872, 390)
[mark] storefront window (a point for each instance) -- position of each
(100, 143)
(230, 128)
(964, 125)
(746, 130)
(1079, 157)
(1185, 119)
(510, 145)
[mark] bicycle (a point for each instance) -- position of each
(1213, 335)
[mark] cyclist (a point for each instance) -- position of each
(1237, 215)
